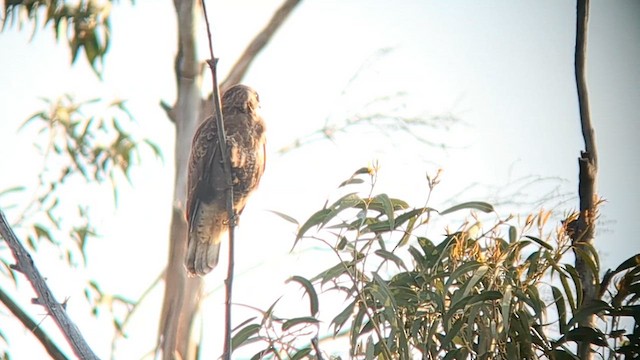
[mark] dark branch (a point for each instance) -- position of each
(45, 340)
(24, 264)
(226, 164)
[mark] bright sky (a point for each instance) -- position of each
(504, 68)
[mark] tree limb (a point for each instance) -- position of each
(24, 264)
(25, 319)
(261, 40)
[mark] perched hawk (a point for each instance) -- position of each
(206, 192)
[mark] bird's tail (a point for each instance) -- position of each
(206, 231)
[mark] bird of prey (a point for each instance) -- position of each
(206, 193)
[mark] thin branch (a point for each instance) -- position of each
(259, 42)
(45, 340)
(226, 165)
(25, 265)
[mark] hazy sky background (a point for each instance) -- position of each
(505, 69)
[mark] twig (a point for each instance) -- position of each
(24, 264)
(45, 340)
(226, 165)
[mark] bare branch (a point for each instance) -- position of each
(45, 340)
(259, 42)
(24, 264)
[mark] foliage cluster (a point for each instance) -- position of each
(84, 24)
(505, 293)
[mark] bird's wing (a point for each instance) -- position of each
(204, 164)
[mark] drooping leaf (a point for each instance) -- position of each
(351, 181)
(243, 335)
(301, 354)
(387, 206)
(316, 219)
(342, 317)
(593, 308)
(387, 255)
(474, 205)
(629, 263)
(558, 298)
(544, 244)
(311, 292)
(285, 217)
(300, 320)
(587, 334)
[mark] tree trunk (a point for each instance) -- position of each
(583, 236)
(182, 294)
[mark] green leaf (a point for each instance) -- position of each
(42, 232)
(333, 272)
(370, 349)
(629, 263)
(10, 190)
(454, 308)
(285, 217)
(593, 308)
(590, 335)
(485, 296)
(417, 255)
(513, 234)
(540, 242)
(387, 255)
(412, 216)
(575, 278)
(561, 308)
(310, 290)
(243, 335)
(475, 205)
(463, 270)
(451, 333)
(388, 208)
(342, 317)
(300, 320)
(262, 354)
(316, 219)
(301, 354)
(588, 259)
(351, 181)
(355, 332)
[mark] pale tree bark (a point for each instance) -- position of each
(584, 230)
(183, 294)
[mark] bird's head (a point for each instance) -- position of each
(242, 98)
